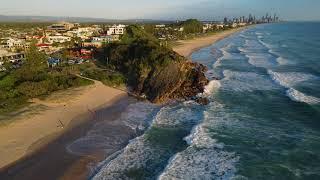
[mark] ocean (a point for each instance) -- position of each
(263, 121)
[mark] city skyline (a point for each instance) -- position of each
(164, 10)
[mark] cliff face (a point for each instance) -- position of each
(175, 81)
(153, 71)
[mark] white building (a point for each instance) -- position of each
(220, 26)
(58, 39)
(11, 43)
(116, 30)
(160, 26)
(84, 32)
(63, 26)
(8, 56)
(208, 26)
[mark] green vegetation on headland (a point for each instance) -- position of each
(152, 70)
(113, 79)
(140, 60)
(33, 79)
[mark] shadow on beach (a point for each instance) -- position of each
(50, 158)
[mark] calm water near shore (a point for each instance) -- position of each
(263, 121)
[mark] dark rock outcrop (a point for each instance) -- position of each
(202, 100)
(153, 71)
(176, 81)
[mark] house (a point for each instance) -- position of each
(13, 44)
(92, 44)
(44, 47)
(116, 30)
(220, 26)
(160, 26)
(234, 25)
(106, 38)
(11, 57)
(84, 32)
(14, 58)
(242, 24)
(52, 62)
(58, 39)
(208, 26)
(82, 53)
(98, 42)
(61, 27)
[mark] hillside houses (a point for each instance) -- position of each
(13, 44)
(99, 41)
(14, 58)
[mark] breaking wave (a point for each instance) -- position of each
(203, 159)
(291, 79)
(242, 81)
(106, 135)
(300, 97)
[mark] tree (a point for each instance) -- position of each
(34, 66)
(149, 28)
(192, 26)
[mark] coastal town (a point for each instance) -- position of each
(52, 73)
(77, 42)
(160, 90)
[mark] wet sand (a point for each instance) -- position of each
(53, 161)
(47, 156)
(58, 111)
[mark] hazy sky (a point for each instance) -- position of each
(163, 9)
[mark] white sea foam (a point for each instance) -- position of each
(136, 115)
(290, 79)
(253, 46)
(243, 81)
(261, 60)
(140, 151)
(225, 55)
(209, 89)
(269, 46)
(300, 97)
(105, 135)
(244, 36)
(205, 163)
(203, 159)
(177, 115)
(201, 139)
(134, 156)
(283, 61)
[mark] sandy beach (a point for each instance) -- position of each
(61, 108)
(187, 47)
(33, 146)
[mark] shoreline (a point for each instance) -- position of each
(34, 162)
(187, 47)
(21, 137)
(54, 161)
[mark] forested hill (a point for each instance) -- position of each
(152, 70)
